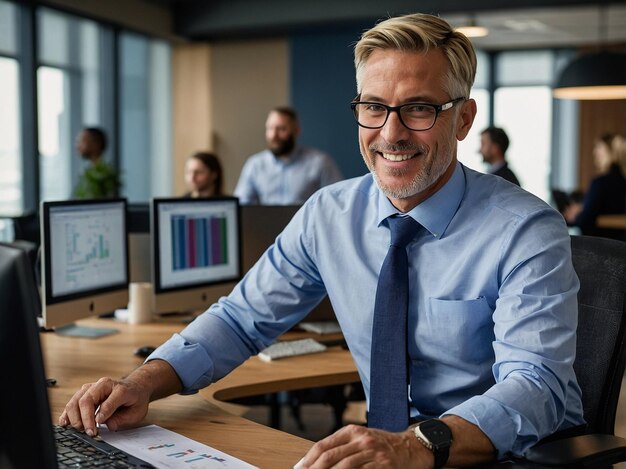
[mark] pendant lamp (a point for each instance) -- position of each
(598, 75)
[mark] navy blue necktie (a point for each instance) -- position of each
(389, 401)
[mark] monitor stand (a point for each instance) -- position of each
(74, 330)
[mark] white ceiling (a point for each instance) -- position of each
(548, 27)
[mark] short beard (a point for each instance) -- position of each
(284, 147)
(430, 174)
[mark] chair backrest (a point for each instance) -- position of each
(601, 338)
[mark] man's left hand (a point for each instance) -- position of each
(356, 446)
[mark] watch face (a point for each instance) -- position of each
(437, 432)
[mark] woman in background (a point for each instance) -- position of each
(203, 175)
(607, 192)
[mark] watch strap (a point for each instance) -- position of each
(441, 456)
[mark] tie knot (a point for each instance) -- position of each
(403, 230)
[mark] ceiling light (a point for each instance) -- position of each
(471, 29)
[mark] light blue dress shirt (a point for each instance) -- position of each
(492, 314)
(268, 180)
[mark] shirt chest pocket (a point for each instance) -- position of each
(462, 329)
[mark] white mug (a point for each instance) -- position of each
(140, 303)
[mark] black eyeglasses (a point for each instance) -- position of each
(414, 116)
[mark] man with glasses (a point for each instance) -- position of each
(285, 173)
(455, 290)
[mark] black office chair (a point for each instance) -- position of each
(26, 227)
(600, 359)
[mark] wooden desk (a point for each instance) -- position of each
(74, 361)
(612, 221)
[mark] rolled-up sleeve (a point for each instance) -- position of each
(273, 296)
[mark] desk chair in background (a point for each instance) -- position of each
(600, 360)
(26, 227)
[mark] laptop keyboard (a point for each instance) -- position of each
(76, 449)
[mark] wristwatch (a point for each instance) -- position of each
(437, 437)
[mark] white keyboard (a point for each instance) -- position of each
(321, 327)
(290, 348)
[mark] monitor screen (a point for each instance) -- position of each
(26, 432)
(196, 245)
(84, 259)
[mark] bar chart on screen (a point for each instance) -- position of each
(199, 241)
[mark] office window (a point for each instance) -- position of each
(145, 117)
(55, 148)
(523, 108)
(71, 92)
(8, 28)
(525, 113)
(10, 152)
(468, 149)
(524, 67)
(10, 147)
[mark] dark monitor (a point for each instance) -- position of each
(138, 217)
(196, 252)
(84, 259)
(26, 438)
(261, 224)
(139, 242)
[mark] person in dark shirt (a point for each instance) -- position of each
(493, 145)
(100, 180)
(607, 192)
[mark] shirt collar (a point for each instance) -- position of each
(496, 166)
(436, 212)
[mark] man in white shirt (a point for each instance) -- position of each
(285, 173)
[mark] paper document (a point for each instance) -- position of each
(166, 449)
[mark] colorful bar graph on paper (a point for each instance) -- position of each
(198, 241)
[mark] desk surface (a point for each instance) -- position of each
(612, 221)
(205, 418)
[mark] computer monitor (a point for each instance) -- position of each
(261, 224)
(84, 260)
(26, 438)
(196, 252)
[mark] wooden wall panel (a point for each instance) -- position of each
(248, 78)
(192, 121)
(596, 119)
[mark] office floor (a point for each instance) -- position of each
(318, 419)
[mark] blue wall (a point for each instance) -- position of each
(322, 86)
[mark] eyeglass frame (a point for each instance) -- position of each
(437, 107)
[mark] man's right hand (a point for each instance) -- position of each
(120, 403)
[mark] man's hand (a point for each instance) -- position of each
(120, 403)
(356, 446)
